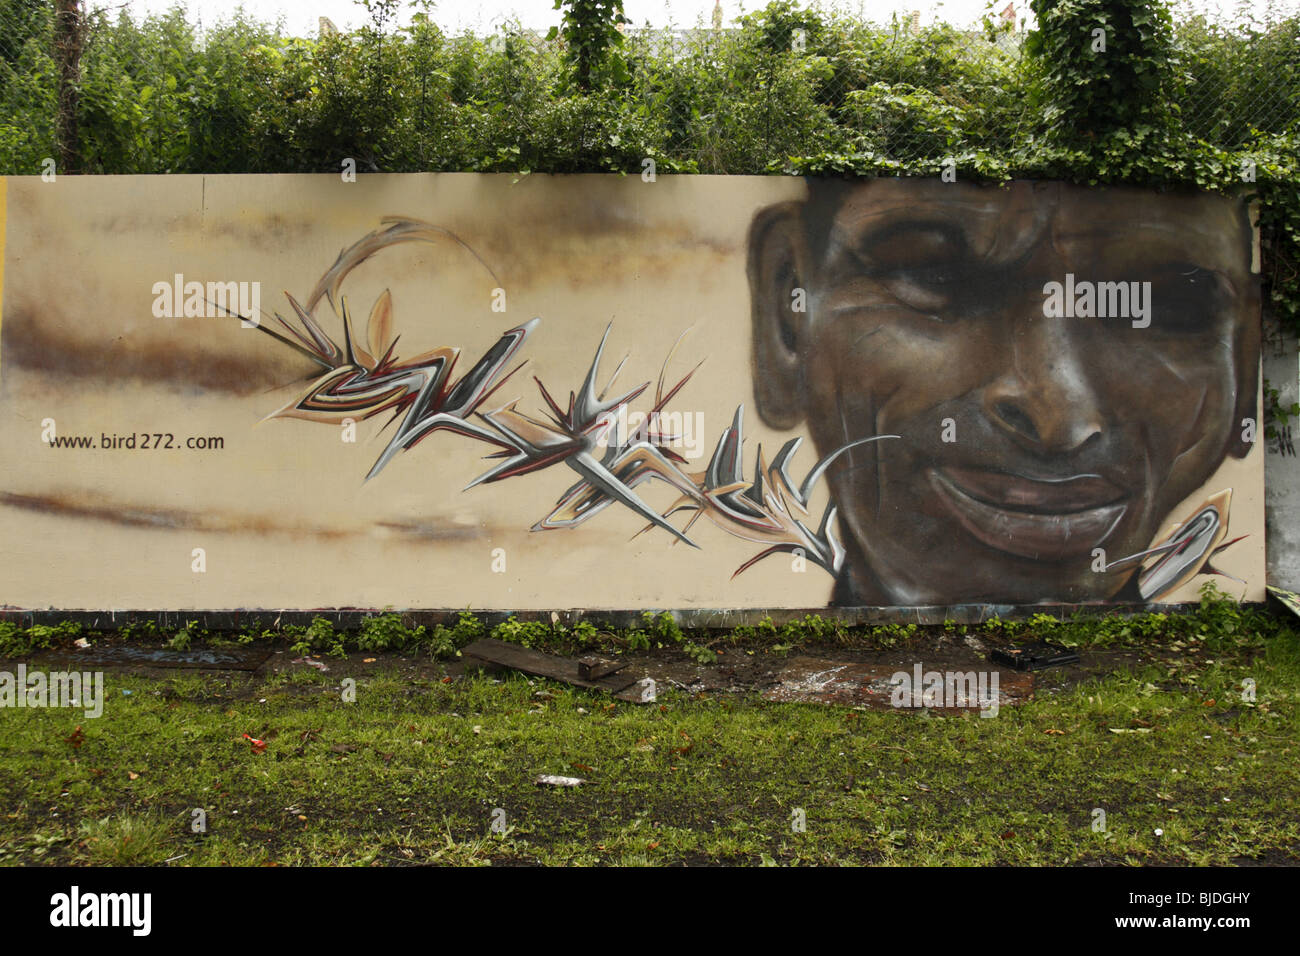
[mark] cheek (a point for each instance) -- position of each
(879, 369)
(1180, 398)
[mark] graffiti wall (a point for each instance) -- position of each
(449, 391)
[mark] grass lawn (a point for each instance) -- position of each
(1187, 768)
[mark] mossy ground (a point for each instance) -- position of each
(1186, 767)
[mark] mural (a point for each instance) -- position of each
(1025, 394)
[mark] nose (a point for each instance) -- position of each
(1045, 400)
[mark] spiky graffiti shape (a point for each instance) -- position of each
(765, 513)
(420, 391)
(572, 436)
(362, 378)
(770, 509)
(1185, 550)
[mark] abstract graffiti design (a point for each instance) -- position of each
(360, 383)
(1185, 551)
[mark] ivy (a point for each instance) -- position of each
(591, 40)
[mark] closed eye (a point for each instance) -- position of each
(912, 244)
(924, 289)
(922, 264)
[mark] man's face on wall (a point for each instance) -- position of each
(1027, 439)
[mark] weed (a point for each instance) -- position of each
(183, 639)
(318, 637)
(526, 633)
(387, 632)
(126, 840)
(146, 630)
(663, 627)
(699, 653)
(467, 629)
(15, 642)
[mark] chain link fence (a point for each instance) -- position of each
(103, 93)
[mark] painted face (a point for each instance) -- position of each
(1032, 432)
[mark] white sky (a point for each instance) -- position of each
(480, 16)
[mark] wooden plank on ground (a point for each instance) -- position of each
(496, 653)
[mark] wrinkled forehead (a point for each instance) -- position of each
(1002, 224)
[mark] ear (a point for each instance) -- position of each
(1248, 347)
(777, 266)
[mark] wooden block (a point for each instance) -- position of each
(593, 668)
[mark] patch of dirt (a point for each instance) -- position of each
(242, 670)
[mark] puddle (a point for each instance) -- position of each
(119, 655)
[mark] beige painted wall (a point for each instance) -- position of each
(281, 511)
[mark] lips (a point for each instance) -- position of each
(1044, 519)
